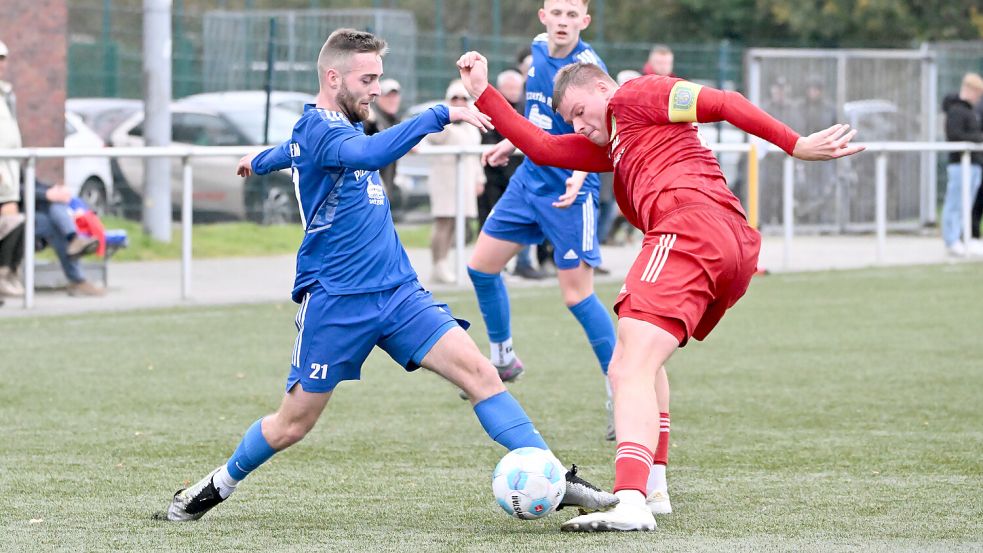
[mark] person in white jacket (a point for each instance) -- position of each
(443, 184)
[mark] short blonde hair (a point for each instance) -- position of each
(973, 81)
(576, 75)
(342, 45)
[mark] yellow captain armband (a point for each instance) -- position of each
(682, 102)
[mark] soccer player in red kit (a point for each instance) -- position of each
(699, 252)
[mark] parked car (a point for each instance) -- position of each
(103, 115)
(89, 178)
(223, 119)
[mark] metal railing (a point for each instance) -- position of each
(880, 149)
(185, 153)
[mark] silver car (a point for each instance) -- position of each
(223, 119)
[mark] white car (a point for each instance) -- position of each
(89, 178)
(223, 119)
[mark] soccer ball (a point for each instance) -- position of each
(529, 483)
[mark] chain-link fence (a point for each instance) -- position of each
(227, 49)
(886, 95)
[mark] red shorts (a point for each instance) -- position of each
(695, 263)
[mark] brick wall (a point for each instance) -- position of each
(35, 31)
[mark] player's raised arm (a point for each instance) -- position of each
(350, 148)
(569, 151)
(712, 105)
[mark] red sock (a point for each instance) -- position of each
(631, 467)
(662, 449)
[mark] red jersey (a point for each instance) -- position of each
(653, 144)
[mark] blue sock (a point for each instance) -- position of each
(493, 300)
(597, 324)
(504, 420)
(252, 452)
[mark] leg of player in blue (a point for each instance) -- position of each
(338, 332)
(490, 256)
(594, 318)
(493, 300)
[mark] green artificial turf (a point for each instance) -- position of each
(829, 411)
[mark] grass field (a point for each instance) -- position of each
(833, 411)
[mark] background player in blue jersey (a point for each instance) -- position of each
(557, 204)
(354, 284)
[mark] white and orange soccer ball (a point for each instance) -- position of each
(529, 483)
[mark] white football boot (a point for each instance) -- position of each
(631, 514)
(658, 502)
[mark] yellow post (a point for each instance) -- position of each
(752, 186)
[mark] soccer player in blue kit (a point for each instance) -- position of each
(354, 283)
(545, 202)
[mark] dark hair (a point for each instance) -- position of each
(574, 75)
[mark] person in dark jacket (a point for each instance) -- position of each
(977, 215)
(961, 125)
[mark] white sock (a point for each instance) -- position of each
(501, 352)
(657, 479)
(224, 482)
(607, 386)
(630, 497)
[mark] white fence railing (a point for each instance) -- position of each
(880, 149)
(31, 155)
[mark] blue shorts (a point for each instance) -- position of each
(526, 218)
(336, 333)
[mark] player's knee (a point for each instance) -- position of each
(618, 375)
(574, 295)
(284, 434)
(480, 377)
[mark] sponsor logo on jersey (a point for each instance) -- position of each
(294, 149)
(532, 71)
(377, 194)
(540, 119)
(617, 157)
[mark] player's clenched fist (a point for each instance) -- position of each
(474, 72)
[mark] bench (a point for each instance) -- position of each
(48, 274)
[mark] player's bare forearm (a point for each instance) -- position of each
(569, 151)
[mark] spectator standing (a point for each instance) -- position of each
(11, 219)
(977, 215)
(961, 125)
(443, 183)
(384, 113)
(11, 256)
(660, 61)
(816, 112)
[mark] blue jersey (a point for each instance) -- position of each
(350, 245)
(542, 180)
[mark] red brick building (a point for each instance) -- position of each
(36, 32)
